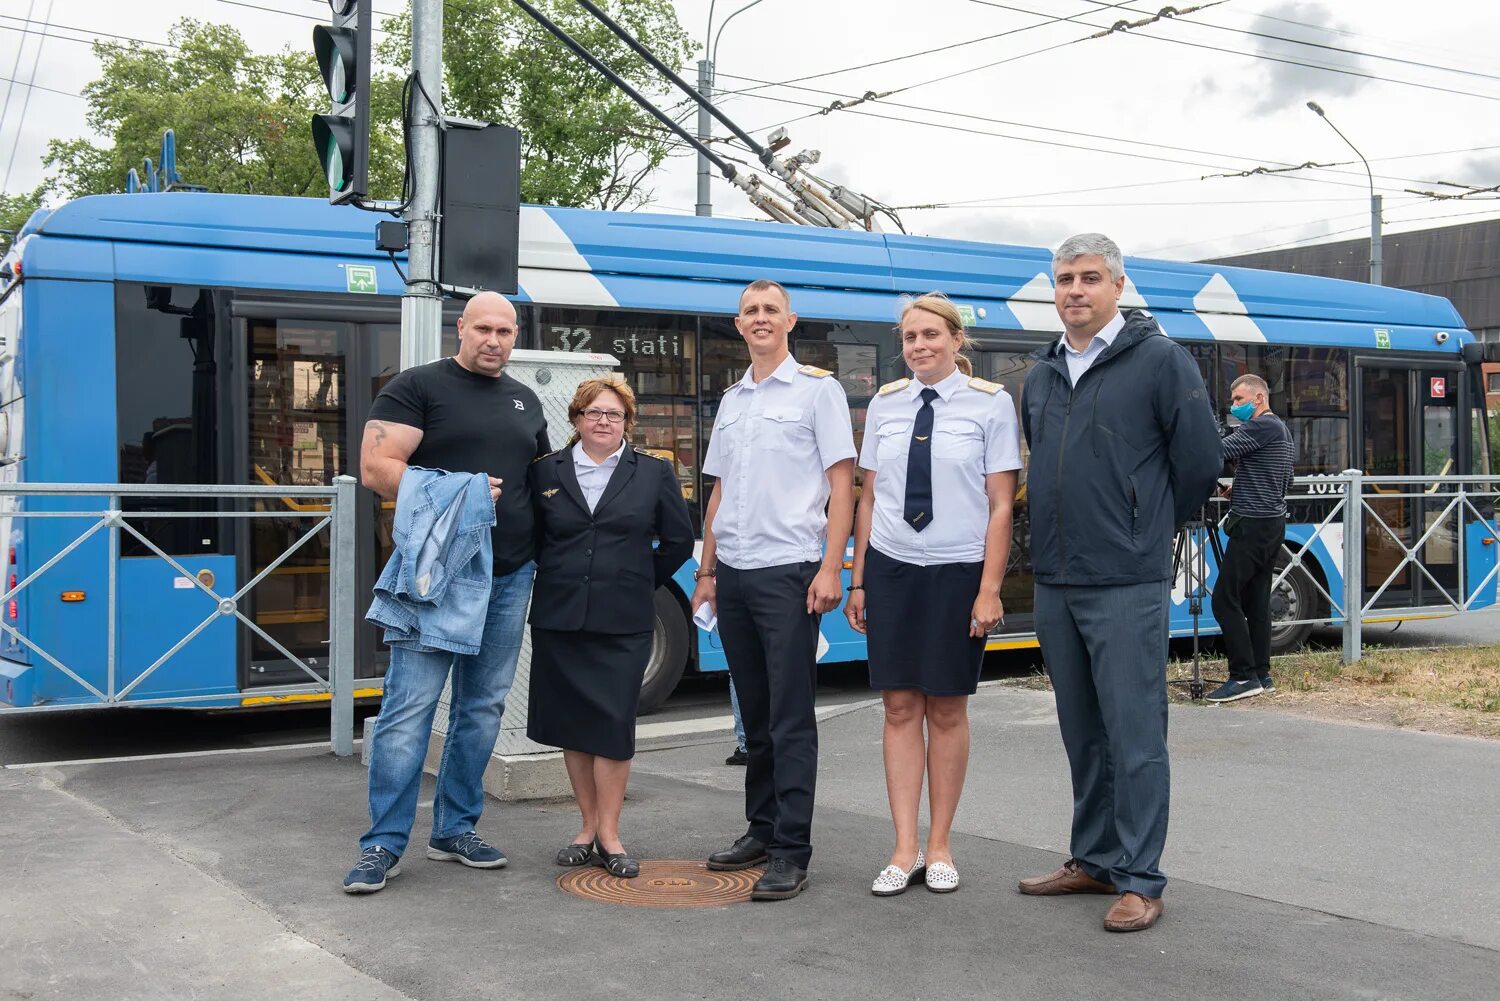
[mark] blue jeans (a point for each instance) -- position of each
(739, 724)
(413, 686)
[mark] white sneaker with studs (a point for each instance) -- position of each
(894, 880)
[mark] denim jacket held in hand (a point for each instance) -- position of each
(434, 591)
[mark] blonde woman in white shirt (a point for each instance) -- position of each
(931, 537)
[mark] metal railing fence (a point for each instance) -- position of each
(1414, 522)
(333, 509)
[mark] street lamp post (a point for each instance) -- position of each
(705, 206)
(1376, 242)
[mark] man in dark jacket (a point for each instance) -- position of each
(1124, 449)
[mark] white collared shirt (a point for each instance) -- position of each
(593, 476)
(974, 433)
(771, 447)
(1080, 361)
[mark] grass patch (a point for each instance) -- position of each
(1448, 689)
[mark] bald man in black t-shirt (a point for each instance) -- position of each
(464, 415)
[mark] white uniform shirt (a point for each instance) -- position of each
(772, 444)
(974, 432)
(593, 476)
(1079, 362)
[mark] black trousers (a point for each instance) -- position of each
(1242, 595)
(771, 644)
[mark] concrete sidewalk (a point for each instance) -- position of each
(1308, 860)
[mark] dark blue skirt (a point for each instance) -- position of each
(917, 622)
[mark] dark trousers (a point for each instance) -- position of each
(771, 644)
(1106, 652)
(1242, 595)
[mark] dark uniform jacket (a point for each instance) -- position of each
(598, 572)
(1119, 461)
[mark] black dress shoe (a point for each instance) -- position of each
(782, 881)
(739, 757)
(746, 852)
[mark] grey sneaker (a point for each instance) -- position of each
(376, 865)
(467, 848)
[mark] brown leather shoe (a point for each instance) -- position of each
(1069, 879)
(1132, 912)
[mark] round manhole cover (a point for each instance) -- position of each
(662, 883)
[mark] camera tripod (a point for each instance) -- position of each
(1190, 554)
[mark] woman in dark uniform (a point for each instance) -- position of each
(931, 537)
(600, 505)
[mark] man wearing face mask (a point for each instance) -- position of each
(1261, 447)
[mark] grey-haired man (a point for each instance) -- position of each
(1124, 448)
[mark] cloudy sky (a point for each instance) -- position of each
(1006, 115)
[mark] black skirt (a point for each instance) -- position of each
(917, 622)
(586, 689)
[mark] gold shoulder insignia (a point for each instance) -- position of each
(985, 386)
(549, 454)
(549, 493)
(815, 372)
(894, 387)
(655, 453)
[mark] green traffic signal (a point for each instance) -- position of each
(342, 136)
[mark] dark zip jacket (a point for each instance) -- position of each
(1119, 461)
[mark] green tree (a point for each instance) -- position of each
(15, 210)
(583, 142)
(241, 118)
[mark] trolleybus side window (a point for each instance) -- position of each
(167, 357)
(658, 355)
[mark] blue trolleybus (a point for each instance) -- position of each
(193, 338)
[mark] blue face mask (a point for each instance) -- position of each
(1242, 412)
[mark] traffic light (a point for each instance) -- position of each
(342, 136)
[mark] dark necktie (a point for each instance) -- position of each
(919, 466)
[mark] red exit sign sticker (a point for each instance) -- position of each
(1439, 388)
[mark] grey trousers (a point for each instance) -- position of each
(1106, 652)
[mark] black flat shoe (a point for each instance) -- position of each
(576, 854)
(616, 863)
(743, 854)
(782, 881)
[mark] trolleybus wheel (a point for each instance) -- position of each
(1293, 599)
(669, 650)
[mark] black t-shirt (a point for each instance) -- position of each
(474, 423)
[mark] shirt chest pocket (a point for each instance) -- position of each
(728, 431)
(781, 427)
(957, 439)
(892, 440)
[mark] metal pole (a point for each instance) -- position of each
(422, 303)
(705, 133)
(341, 608)
(1354, 564)
(113, 517)
(1377, 265)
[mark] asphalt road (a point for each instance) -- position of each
(125, 732)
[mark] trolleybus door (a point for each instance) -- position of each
(1408, 425)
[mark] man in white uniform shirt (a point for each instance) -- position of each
(782, 453)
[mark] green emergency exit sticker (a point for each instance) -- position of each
(1382, 338)
(360, 278)
(966, 314)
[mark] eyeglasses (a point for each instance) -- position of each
(595, 414)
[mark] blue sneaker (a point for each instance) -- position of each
(1267, 683)
(468, 848)
(1231, 690)
(376, 865)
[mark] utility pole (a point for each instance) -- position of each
(422, 303)
(705, 133)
